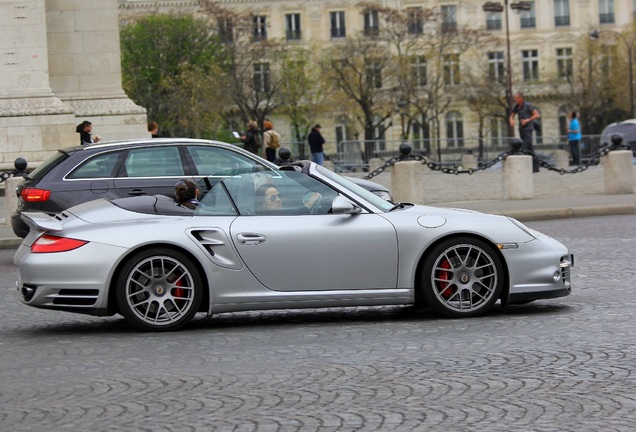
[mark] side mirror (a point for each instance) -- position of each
(342, 205)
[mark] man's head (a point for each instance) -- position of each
(519, 98)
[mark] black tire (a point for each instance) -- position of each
(159, 290)
(462, 277)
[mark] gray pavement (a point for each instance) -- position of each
(556, 196)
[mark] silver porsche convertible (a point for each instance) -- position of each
(298, 237)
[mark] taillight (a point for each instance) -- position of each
(51, 244)
(35, 195)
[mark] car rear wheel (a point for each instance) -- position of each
(462, 277)
(159, 290)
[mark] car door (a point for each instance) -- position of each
(298, 251)
(150, 171)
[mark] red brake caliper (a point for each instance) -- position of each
(178, 292)
(446, 293)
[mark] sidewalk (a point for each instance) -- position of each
(556, 197)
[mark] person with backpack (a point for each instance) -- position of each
(271, 140)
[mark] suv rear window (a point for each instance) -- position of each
(48, 165)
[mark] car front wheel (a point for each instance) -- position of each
(462, 277)
(159, 290)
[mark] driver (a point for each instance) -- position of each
(268, 201)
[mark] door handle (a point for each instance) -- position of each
(137, 192)
(251, 238)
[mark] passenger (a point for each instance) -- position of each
(186, 194)
(269, 201)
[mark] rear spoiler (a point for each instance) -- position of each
(41, 221)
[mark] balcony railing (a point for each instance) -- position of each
(493, 25)
(528, 22)
(562, 20)
(293, 34)
(449, 27)
(372, 31)
(606, 18)
(338, 32)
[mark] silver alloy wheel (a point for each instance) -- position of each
(160, 290)
(465, 278)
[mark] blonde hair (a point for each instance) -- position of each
(252, 124)
(268, 125)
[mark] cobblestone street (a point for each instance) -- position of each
(566, 364)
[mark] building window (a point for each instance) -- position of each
(338, 29)
(563, 121)
(498, 131)
(564, 62)
(418, 70)
(454, 129)
(259, 27)
(449, 18)
(451, 69)
(561, 13)
(341, 133)
(496, 69)
(226, 30)
(371, 23)
(493, 21)
(261, 77)
(530, 65)
(292, 30)
(606, 11)
(415, 20)
(374, 74)
(528, 18)
(421, 134)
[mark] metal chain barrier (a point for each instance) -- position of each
(435, 166)
(19, 171)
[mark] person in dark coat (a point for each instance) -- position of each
(527, 114)
(252, 137)
(316, 141)
(84, 129)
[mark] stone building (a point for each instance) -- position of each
(544, 41)
(60, 66)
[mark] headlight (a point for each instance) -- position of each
(383, 194)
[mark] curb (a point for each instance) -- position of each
(568, 213)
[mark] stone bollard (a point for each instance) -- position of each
(618, 172)
(562, 159)
(375, 163)
(517, 178)
(469, 161)
(406, 181)
(10, 198)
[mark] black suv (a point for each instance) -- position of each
(131, 168)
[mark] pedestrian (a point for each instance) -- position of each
(316, 141)
(252, 137)
(153, 129)
(85, 129)
(574, 138)
(271, 141)
(527, 114)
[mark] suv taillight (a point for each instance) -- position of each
(35, 194)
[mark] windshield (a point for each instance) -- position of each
(369, 196)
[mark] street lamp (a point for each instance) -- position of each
(402, 105)
(498, 7)
(629, 43)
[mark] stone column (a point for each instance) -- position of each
(618, 172)
(562, 159)
(517, 177)
(85, 67)
(32, 119)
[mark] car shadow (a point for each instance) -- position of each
(290, 317)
